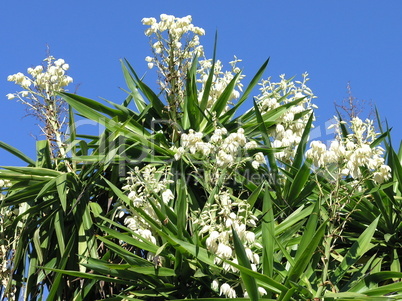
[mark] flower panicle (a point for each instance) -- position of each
(175, 42)
(290, 127)
(352, 152)
(44, 82)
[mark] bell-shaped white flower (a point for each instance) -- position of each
(167, 195)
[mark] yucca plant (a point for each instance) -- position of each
(46, 217)
(186, 195)
(382, 202)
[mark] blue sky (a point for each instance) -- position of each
(335, 41)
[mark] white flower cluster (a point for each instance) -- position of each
(5, 183)
(142, 186)
(229, 292)
(220, 80)
(226, 290)
(289, 129)
(224, 149)
(46, 81)
(352, 152)
(176, 26)
(216, 222)
(40, 96)
(175, 42)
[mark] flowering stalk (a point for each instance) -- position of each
(175, 42)
(336, 201)
(40, 96)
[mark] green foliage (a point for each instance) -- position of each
(133, 214)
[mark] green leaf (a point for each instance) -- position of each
(122, 252)
(286, 296)
(264, 133)
(309, 231)
(95, 111)
(304, 258)
(87, 276)
(262, 279)
(62, 191)
(155, 271)
(268, 233)
(350, 296)
(255, 194)
(90, 104)
(72, 132)
(58, 278)
(188, 248)
(213, 299)
(128, 130)
(192, 115)
(17, 153)
(299, 182)
(229, 114)
(131, 84)
(96, 209)
(137, 242)
(152, 97)
(373, 280)
(344, 130)
(249, 282)
(34, 171)
(395, 263)
(224, 98)
(358, 249)
(208, 83)
(181, 207)
(21, 176)
(301, 148)
(295, 217)
(379, 139)
(37, 245)
(47, 188)
(60, 231)
(396, 166)
(383, 290)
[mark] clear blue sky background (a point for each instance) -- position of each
(335, 41)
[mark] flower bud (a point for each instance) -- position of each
(10, 96)
(215, 285)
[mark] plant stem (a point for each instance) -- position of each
(326, 260)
